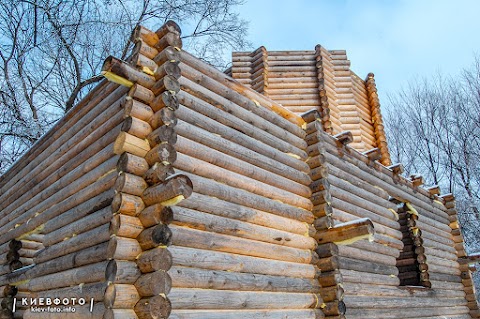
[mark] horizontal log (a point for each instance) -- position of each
(364, 277)
(130, 184)
(122, 248)
(162, 153)
(221, 299)
(123, 71)
(208, 222)
(132, 164)
(240, 146)
(167, 54)
(87, 291)
(122, 272)
(140, 93)
(270, 133)
(136, 127)
(163, 134)
(120, 314)
(213, 205)
(131, 144)
(125, 226)
(167, 100)
(160, 235)
(186, 277)
(156, 214)
(87, 239)
(154, 283)
(144, 34)
(158, 173)
(238, 196)
(347, 232)
(182, 236)
(154, 307)
(82, 225)
(214, 260)
(174, 186)
(127, 204)
(296, 121)
(85, 274)
(212, 167)
(121, 296)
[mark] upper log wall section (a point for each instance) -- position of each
(365, 275)
(321, 80)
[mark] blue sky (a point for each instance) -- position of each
(399, 41)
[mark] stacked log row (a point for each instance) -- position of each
(368, 270)
(240, 245)
(330, 86)
(364, 112)
(466, 265)
(412, 263)
(163, 189)
(318, 80)
(293, 80)
(347, 107)
(251, 69)
(378, 127)
(323, 109)
(55, 201)
(330, 282)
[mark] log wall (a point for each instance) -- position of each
(175, 191)
(365, 275)
(317, 80)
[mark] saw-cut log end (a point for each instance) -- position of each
(397, 168)
(417, 180)
(347, 233)
(433, 190)
(344, 137)
(374, 154)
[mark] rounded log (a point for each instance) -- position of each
(167, 83)
(167, 54)
(132, 164)
(157, 259)
(156, 214)
(130, 184)
(175, 186)
(164, 116)
(125, 226)
(163, 134)
(156, 307)
(141, 93)
(136, 127)
(154, 283)
(166, 99)
(169, 68)
(121, 296)
(158, 173)
(162, 153)
(155, 236)
(127, 204)
(123, 248)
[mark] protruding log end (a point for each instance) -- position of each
(417, 180)
(167, 54)
(347, 233)
(150, 37)
(162, 153)
(169, 26)
(113, 72)
(156, 214)
(165, 100)
(310, 116)
(374, 154)
(434, 190)
(132, 164)
(174, 186)
(397, 168)
(448, 197)
(154, 307)
(158, 173)
(155, 259)
(344, 137)
(152, 237)
(163, 134)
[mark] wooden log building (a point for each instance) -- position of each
(174, 190)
